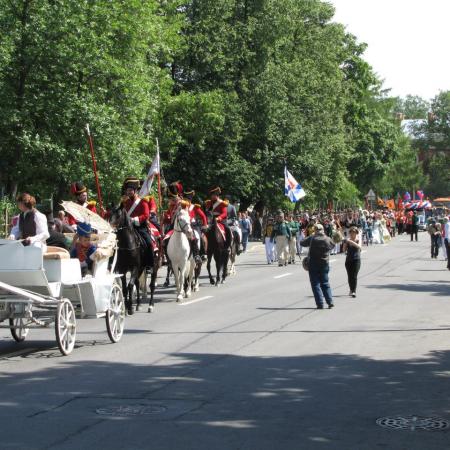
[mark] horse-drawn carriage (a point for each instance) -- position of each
(38, 290)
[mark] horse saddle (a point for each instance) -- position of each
(168, 234)
(221, 228)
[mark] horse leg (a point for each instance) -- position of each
(152, 288)
(141, 280)
(225, 267)
(179, 278)
(130, 294)
(169, 268)
(138, 294)
(218, 260)
(208, 267)
(198, 269)
(190, 266)
(125, 291)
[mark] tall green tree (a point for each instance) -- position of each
(433, 141)
(373, 136)
(64, 64)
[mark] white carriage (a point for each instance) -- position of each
(39, 290)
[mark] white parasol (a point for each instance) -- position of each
(82, 214)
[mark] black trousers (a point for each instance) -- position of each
(447, 247)
(434, 245)
(414, 231)
(352, 267)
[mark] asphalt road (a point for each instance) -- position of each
(248, 365)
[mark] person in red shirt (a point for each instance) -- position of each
(80, 194)
(138, 212)
(175, 194)
(153, 210)
(199, 223)
(217, 208)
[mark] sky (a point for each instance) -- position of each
(408, 41)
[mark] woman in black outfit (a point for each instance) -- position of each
(353, 260)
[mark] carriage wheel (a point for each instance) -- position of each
(65, 327)
(115, 316)
(20, 331)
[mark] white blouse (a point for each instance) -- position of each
(42, 234)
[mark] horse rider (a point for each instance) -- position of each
(138, 212)
(199, 224)
(175, 194)
(233, 222)
(80, 194)
(31, 225)
(218, 209)
(153, 210)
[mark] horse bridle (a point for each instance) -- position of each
(181, 227)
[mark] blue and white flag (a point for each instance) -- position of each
(292, 188)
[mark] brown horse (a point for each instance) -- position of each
(217, 247)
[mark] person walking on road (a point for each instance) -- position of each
(268, 241)
(446, 236)
(294, 226)
(281, 234)
(414, 226)
(352, 247)
(434, 230)
(320, 246)
(246, 228)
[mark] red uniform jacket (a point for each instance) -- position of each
(89, 205)
(218, 209)
(151, 204)
(169, 214)
(141, 211)
(196, 210)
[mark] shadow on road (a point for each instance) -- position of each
(431, 288)
(221, 401)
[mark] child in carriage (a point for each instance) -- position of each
(82, 248)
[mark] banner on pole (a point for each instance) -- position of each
(154, 170)
(292, 188)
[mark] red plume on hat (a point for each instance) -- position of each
(175, 188)
(77, 188)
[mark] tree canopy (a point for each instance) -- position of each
(233, 89)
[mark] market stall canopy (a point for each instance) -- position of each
(417, 205)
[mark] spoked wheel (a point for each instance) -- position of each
(20, 331)
(115, 316)
(65, 327)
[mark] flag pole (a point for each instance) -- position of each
(94, 166)
(159, 180)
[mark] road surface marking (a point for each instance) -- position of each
(364, 251)
(195, 301)
(333, 260)
(284, 275)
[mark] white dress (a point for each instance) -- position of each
(377, 236)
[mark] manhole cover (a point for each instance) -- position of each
(413, 423)
(131, 410)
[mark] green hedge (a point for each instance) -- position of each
(7, 210)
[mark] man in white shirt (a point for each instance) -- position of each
(31, 227)
(447, 239)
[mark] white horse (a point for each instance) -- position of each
(178, 251)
